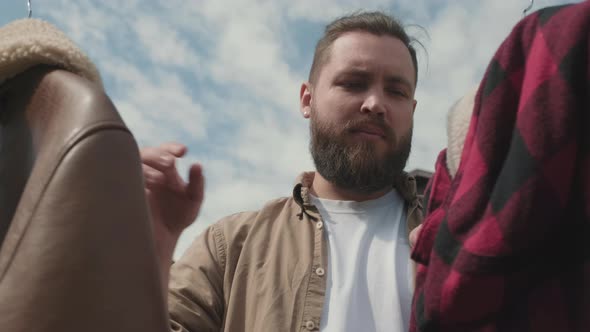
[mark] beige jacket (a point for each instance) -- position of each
(261, 271)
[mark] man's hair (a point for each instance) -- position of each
(376, 23)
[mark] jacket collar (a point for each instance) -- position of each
(404, 184)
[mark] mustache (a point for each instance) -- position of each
(377, 122)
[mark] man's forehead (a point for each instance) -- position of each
(363, 51)
(358, 47)
(358, 39)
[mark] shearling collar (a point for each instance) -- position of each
(27, 43)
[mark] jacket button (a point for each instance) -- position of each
(319, 225)
(319, 271)
(309, 325)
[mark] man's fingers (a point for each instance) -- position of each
(169, 178)
(163, 158)
(157, 158)
(174, 148)
(196, 183)
(160, 170)
(153, 177)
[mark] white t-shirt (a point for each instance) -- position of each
(369, 284)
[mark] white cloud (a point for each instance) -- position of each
(163, 45)
(274, 147)
(320, 12)
(157, 106)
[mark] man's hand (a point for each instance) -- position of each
(174, 204)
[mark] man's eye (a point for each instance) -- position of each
(353, 85)
(396, 92)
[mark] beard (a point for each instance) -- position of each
(355, 164)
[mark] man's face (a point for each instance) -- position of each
(361, 110)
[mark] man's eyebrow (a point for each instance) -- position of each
(396, 79)
(354, 72)
(361, 73)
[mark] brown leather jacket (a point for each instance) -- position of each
(261, 271)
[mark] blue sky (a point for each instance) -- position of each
(223, 77)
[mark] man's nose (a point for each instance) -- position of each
(374, 103)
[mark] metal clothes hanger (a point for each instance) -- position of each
(528, 8)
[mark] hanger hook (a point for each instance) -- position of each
(528, 8)
(30, 9)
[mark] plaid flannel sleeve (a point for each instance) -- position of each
(510, 249)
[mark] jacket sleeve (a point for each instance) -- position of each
(195, 298)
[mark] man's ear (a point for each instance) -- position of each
(305, 99)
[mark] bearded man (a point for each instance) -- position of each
(335, 256)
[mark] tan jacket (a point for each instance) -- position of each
(261, 271)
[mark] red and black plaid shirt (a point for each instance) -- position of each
(505, 245)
